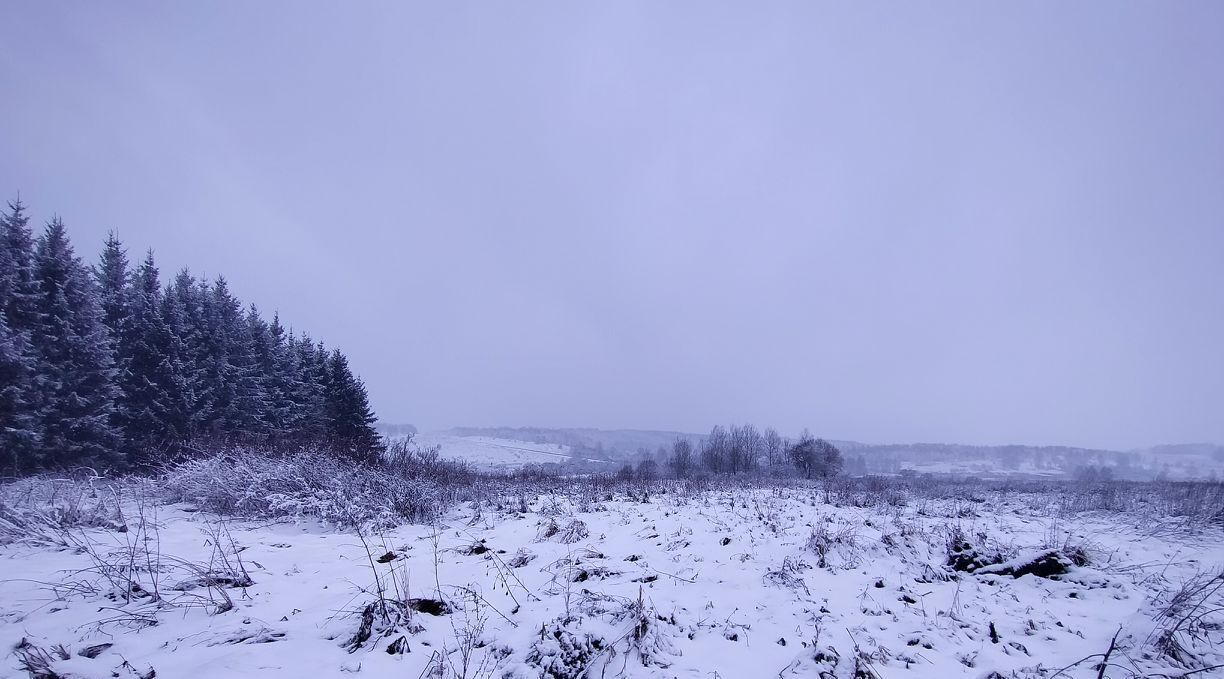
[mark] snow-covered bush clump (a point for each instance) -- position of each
(304, 485)
(41, 509)
(564, 650)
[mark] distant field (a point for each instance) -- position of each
(510, 448)
(495, 453)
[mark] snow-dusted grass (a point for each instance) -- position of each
(42, 509)
(566, 578)
(302, 485)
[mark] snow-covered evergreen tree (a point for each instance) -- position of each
(111, 278)
(184, 314)
(239, 406)
(19, 430)
(149, 415)
(76, 361)
(275, 372)
(349, 417)
(22, 384)
(100, 366)
(309, 421)
(18, 290)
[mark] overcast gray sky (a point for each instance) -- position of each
(969, 222)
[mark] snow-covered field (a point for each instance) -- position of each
(484, 452)
(761, 582)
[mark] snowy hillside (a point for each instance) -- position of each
(496, 453)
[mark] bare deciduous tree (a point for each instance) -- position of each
(681, 461)
(773, 448)
(745, 448)
(715, 450)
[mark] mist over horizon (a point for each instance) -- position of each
(791, 435)
(885, 224)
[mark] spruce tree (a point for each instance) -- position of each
(216, 374)
(19, 437)
(349, 417)
(150, 414)
(308, 421)
(274, 371)
(111, 279)
(231, 374)
(18, 289)
(22, 384)
(183, 311)
(281, 372)
(76, 360)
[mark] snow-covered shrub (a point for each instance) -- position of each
(965, 556)
(521, 558)
(652, 639)
(789, 574)
(381, 619)
(819, 542)
(403, 458)
(304, 484)
(867, 491)
(563, 650)
(1078, 553)
(841, 540)
(573, 531)
(43, 509)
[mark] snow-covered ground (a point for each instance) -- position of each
(484, 452)
(728, 583)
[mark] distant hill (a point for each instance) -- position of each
(497, 453)
(1194, 449)
(1192, 461)
(611, 444)
(588, 445)
(984, 461)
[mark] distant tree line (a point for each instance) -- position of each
(740, 449)
(103, 366)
